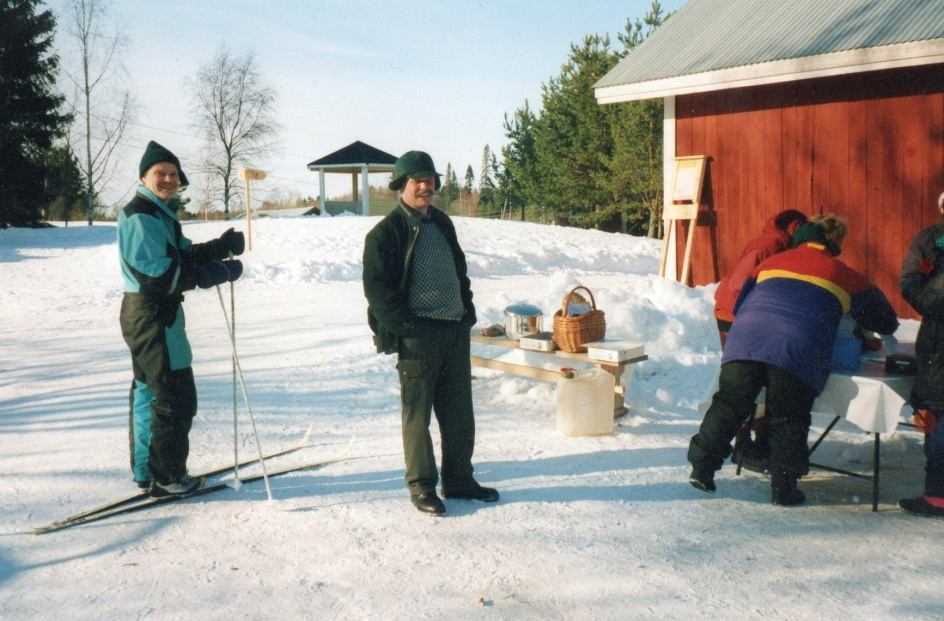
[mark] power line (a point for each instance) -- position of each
(188, 135)
(190, 160)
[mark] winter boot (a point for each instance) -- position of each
(921, 506)
(471, 490)
(784, 490)
(428, 502)
(702, 478)
(750, 455)
(181, 486)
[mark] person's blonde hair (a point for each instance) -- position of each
(834, 227)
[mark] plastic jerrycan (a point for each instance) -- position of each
(585, 403)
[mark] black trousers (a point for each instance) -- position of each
(787, 409)
(436, 376)
(162, 400)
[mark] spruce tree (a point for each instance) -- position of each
(635, 163)
(581, 163)
(30, 117)
(573, 136)
(450, 186)
(519, 178)
(469, 184)
(486, 181)
(64, 184)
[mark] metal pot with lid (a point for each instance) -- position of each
(522, 320)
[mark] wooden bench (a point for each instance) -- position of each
(547, 375)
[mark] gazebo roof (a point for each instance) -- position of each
(354, 157)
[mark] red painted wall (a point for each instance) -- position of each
(868, 146)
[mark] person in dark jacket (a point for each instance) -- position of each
(158, 264)
(922, 285)
(420, 307)
(785, 323)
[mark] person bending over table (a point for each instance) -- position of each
(785, 323)
(776, 237)
(922, 285)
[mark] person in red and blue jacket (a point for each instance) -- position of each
(922, 285)
(782, 339)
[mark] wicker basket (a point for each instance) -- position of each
(571, 333)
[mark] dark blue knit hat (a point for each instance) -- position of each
(155, 153)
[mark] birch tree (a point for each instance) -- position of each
(102, 108)
(235, 110)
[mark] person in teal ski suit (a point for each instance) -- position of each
(158, 265)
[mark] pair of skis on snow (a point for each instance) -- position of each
(141, 500)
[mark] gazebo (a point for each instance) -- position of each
(356, 158)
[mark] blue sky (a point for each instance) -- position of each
(437, 76)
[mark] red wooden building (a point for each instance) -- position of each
(818, 106)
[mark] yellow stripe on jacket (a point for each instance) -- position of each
(845, 300)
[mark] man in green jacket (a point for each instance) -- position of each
(420, 307)
(158, 264)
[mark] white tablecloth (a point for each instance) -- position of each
(867, 397)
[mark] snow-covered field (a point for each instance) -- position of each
(587, 528)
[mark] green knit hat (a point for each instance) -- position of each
(413, 165)
(814, 232)
(155, 153)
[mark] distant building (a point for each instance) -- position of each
(281, 213)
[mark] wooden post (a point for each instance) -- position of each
(248, 174)
(248, 213)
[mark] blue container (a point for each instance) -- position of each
(846, 354)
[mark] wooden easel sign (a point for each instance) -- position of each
(688, 174)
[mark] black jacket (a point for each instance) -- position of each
(922, 285)
(388, 250)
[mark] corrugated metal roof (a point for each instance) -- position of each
(709, 35)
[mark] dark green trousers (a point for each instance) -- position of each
(436, 376)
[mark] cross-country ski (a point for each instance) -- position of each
(144, 502)
(143, 496)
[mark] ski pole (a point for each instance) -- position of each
(232, 322)
(242, 382)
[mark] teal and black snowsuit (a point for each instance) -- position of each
(158, 264)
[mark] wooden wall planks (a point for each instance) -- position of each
(866, 146)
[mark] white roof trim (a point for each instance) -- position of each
(824, 65)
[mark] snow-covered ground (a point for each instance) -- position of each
(587, 528)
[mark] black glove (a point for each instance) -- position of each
(213, 273)
(231, 242)
(234, 267)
